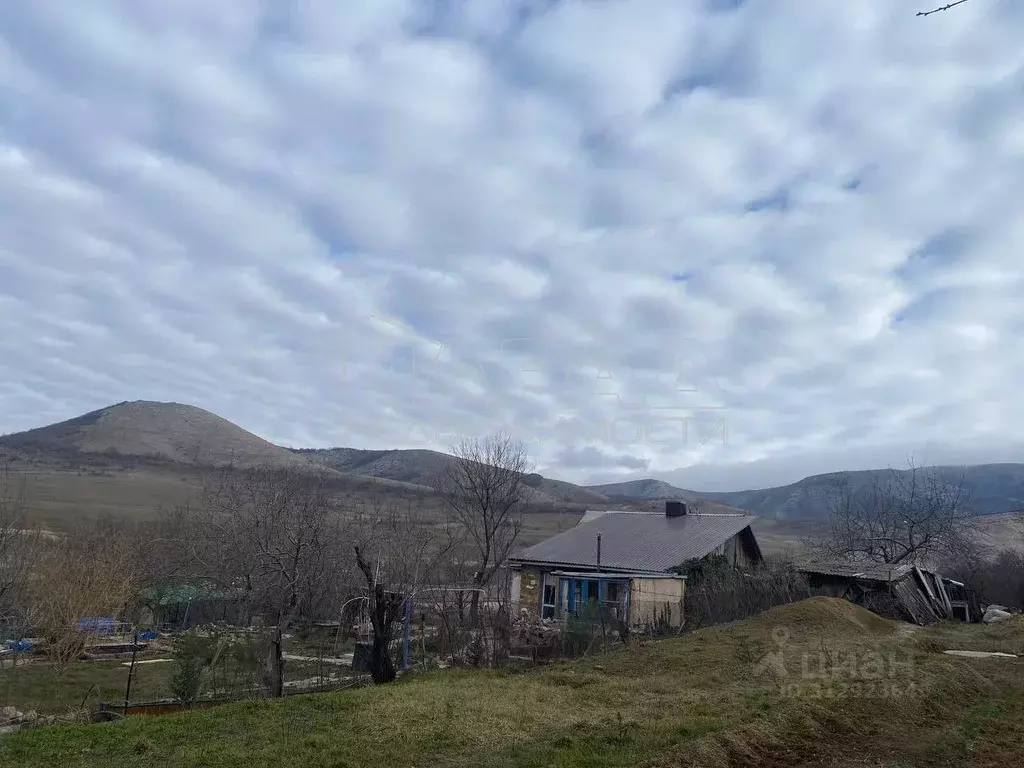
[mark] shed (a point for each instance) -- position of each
(904, 592)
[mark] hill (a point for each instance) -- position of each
(642, 489)
(134, 458)
(168, 432)
(420, 467)
(835, 675)
(990, 488)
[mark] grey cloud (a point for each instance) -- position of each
(211, 203)
(592, 458)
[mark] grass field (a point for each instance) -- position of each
(37, 687)
(57, 498)
(844, 688)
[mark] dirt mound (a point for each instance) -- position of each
(828, 614)
(170, 431)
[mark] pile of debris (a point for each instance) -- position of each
(12, 720)
(536, 636)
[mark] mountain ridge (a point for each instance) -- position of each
(187, 435)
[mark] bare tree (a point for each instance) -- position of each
(93, 571)
(901, 517)
(20, 542)
(484, 488)
(397, 553)
(269, 535)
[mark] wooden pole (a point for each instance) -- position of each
(131, 670)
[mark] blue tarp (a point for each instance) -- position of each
(19, 645)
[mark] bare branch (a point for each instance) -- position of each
(904, 517)
(272, 536)
(485, 491)
(943, 8)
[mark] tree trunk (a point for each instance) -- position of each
(474, 610)
(382, 616)
(273, 675)
(385, 608)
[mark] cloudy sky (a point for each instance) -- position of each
(756, 239)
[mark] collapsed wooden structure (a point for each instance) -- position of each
(904, 592)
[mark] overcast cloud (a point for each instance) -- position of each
(642, 234)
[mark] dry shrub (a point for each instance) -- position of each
(94, 571)
(717, 592)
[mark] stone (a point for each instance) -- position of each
(993, 615)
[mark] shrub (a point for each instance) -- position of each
(717, 592)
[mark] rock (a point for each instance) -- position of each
(993, 615)
(9, 729)
(10, 713)
(31, 716)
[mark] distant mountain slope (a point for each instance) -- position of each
(641, 489)
(421, 466)
(991, 489)
(173, 432)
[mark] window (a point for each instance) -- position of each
(547, 603)
(611, 592)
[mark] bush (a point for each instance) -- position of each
(717, 592)
(998, 580)
(583, 630)
(193, 653)
(186, 679)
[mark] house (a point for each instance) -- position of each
(629, 563)
(903, 592)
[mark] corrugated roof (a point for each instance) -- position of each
(871, 571)
(638, 542)
(592, 514)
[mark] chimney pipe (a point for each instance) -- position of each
(676, 509)
(599, 551)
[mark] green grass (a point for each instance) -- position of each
(690, 701)
(38, 687)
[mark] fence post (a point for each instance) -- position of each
(131, 670)
(407, 634)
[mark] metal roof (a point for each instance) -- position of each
(618, 575)
(653, 543)
(592, 514)
(869, 571)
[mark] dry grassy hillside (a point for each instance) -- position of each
(181, 434)
(134, 458)
(422, 466)
(844, 688)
